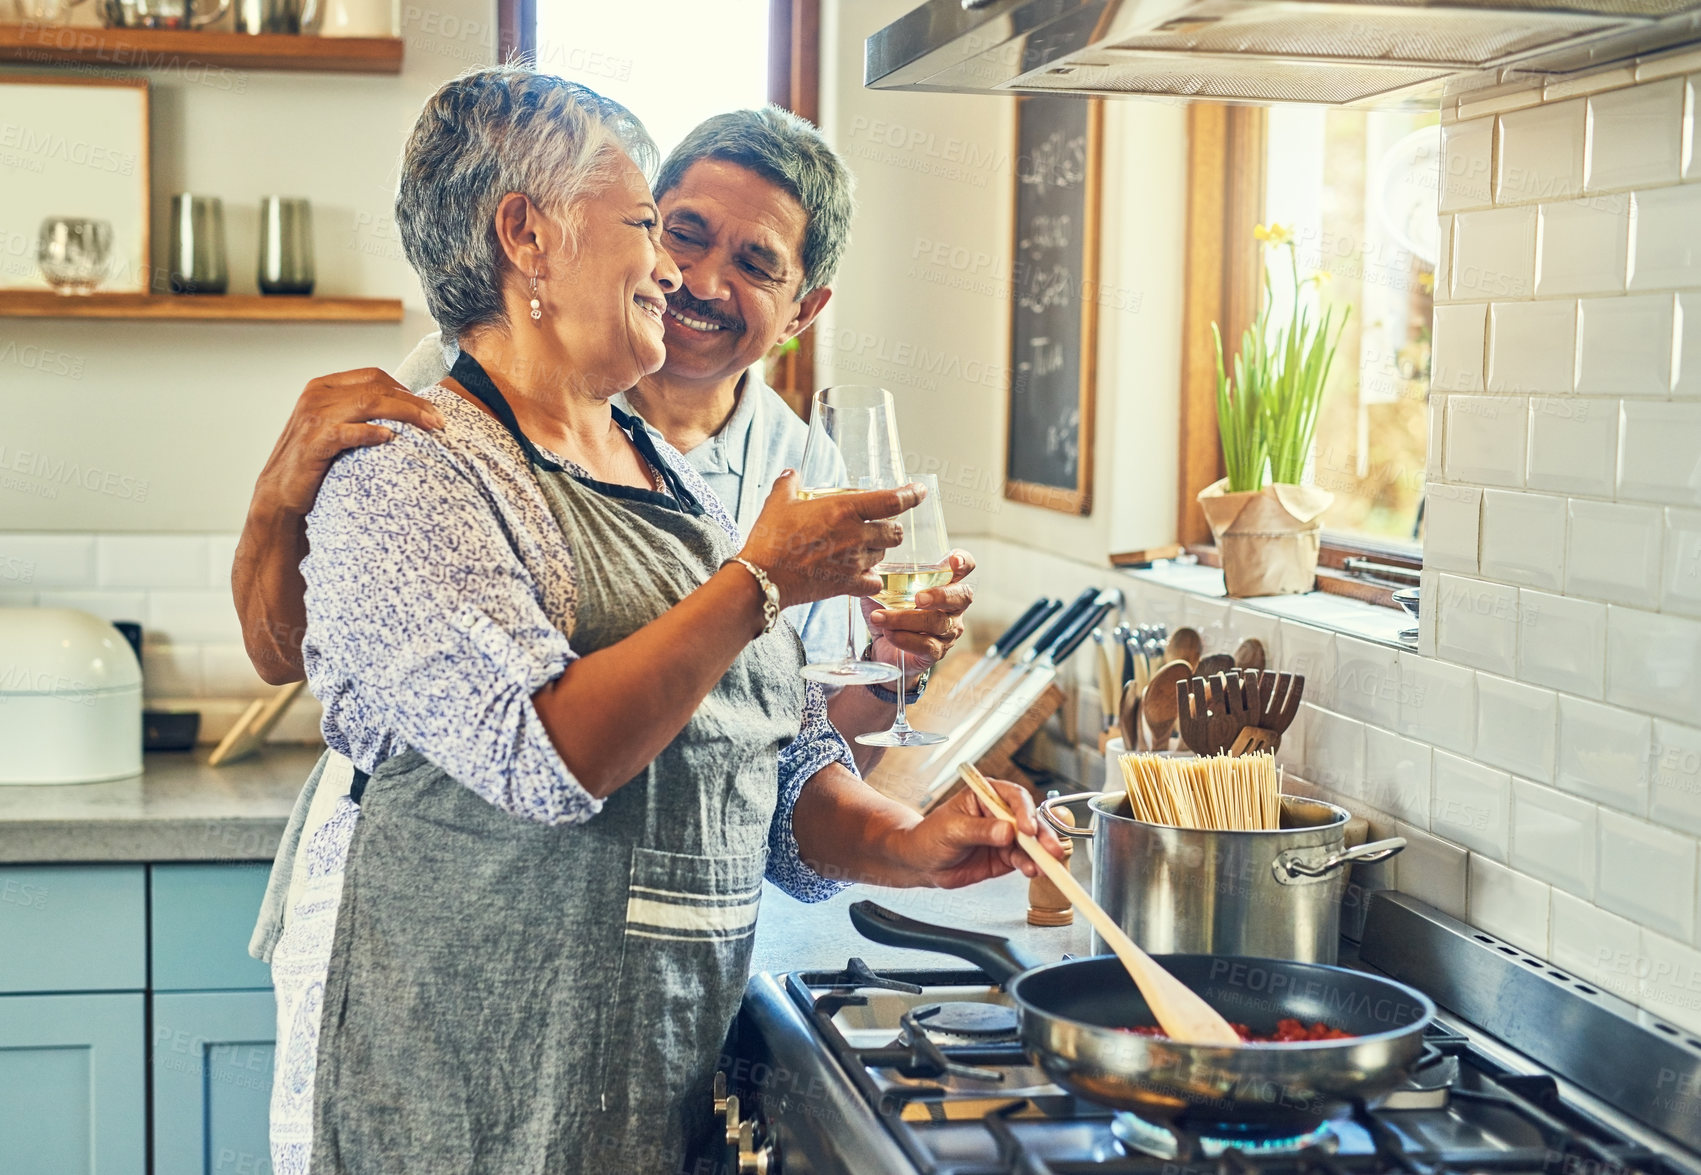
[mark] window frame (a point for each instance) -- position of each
(1227, 149)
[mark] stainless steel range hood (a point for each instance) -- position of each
(1354, 53)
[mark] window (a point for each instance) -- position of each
(1357, 189)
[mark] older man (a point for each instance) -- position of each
(756, 210)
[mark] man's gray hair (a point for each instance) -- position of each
(491, 131)
(786, 150)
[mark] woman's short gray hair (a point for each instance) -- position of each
(787, 150)
(491, 131)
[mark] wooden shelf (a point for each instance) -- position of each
(176, 48)
(199, 308)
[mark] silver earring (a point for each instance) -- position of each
(537, 307)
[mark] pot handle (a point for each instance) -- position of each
(1057, 825)
(1294, 867)
(998, 957)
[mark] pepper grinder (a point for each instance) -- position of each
(1046, 904)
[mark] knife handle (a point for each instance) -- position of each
(1024, 626)
(1079, 608)
(1071, 639)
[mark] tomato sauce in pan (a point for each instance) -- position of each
(1287, 1032)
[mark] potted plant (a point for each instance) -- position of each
(1264, 520)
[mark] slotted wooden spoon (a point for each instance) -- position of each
(1179, 1011)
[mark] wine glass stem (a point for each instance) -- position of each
(901, 723)
(851, 654)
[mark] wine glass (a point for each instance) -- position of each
(919, 562)
(852, 446)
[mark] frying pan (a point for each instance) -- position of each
(1072, 1015)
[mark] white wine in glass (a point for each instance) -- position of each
(919, 562)
(853, 446)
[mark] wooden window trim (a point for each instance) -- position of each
(1227, 149)
(794, 82)
(516, 30)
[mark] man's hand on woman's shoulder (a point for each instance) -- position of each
(334, 413)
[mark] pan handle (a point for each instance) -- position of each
(998, 957)
(1295, 867)
(1057, 825)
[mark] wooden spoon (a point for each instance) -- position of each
(1214, 664)
(1128, 717)
(1157, 704)
(1185, 644)
(1180, 1012)
(1250, 654)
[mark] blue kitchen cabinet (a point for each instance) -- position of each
(212, 1071)
(72, 1085)
(72, 928)
(203, 916)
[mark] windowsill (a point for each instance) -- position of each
(1320, 609)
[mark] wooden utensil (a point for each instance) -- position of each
(1158, 703)
(1179, 1011)
(1128, 717)
(1214, 664)
(1185, 644)
(250, 731)
(1250, 654)
(1278, 696)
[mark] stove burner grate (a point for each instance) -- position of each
(969, 1020)
(1139, 1135)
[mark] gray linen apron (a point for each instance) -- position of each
(511, 998)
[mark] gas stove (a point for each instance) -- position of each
(919, 1072)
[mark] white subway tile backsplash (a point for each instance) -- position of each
(1509, 905)
(1614, 553)
(109, 606)
(1432, 870)
(1532, 347)
(151, 560)
(1583, 246)
(1471, 805)
(1574, 445)
(1563, 643)
(206, 615)
(1516, 727)
(31, 562)
(1671, 980)
(1674, 777)
(1443, 262)
(221, 554)
(1468, 149)
(171, 671)
(1686, 346)
(1603, 754)
(1310, 651)
(1682, 575)
(1451, 521)
(1654, 663)
(1554, 837)
(1456, 355)
(1624, 345)
(1438, 703)
(1334, 750)
(226, 672)
(1485, 439)
(1494, 254)
(1647, 874)
(1478, 624)
(1367, 681)
(1594, 945)
(1541, 153)
(1397, 775)
(1659, 451)
(1670, 63)
(1523, 538)
(1437, 440)
(1587, 81)
(1634, 136)
(1665, 249)
(1691, 148)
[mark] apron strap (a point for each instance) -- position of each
(471, 375)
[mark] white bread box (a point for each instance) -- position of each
(70, 698)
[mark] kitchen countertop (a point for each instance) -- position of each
(794, 936)
(178, 809)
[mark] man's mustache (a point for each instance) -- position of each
(702, 311)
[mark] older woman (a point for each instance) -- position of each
(585, 731)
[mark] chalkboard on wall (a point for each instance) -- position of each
(1054, 295)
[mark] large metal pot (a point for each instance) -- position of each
(1273, 895)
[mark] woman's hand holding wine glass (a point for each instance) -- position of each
(816, 546)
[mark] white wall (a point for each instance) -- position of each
(921, 305)
(183, 414)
